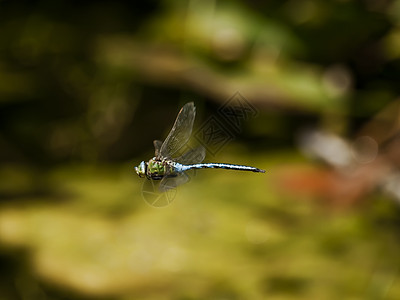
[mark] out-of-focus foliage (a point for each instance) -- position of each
(222, 242)
(72, 78)
(85, 87)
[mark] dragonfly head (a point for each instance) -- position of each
(141, 169)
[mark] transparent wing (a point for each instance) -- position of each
(168, 183)
(180, 132)
(193, 156)
(157, 146)
(152, 195)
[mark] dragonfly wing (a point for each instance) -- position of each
(152, 195)
(168, 183)
(193, 156)
(157, 146)
(180, 132)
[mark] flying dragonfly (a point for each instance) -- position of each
(168, 168)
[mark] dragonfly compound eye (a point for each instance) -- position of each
(141, 169)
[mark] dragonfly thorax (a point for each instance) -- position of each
(155, 169)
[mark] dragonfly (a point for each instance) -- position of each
(169, 167)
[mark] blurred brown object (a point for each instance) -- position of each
(354, 168)
(331, 187)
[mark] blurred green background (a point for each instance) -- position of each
(85, 87)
